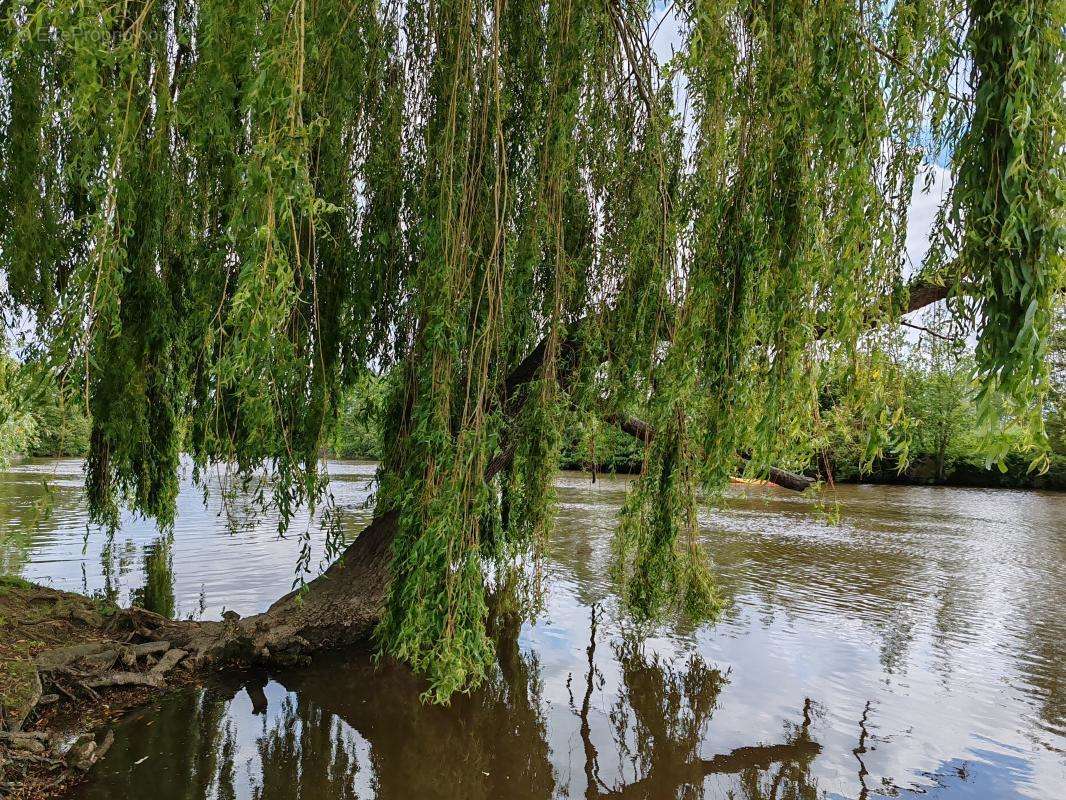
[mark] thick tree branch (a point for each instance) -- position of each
(922, 293)
(788, 480)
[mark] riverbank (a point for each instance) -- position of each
(1014, 474)
(920, 471)
(69, 665)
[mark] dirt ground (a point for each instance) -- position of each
(69, 665)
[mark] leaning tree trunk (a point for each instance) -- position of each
(338, 609)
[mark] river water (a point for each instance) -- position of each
(879, 642)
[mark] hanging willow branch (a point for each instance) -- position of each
(219, 215)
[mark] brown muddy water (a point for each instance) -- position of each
(880, 642)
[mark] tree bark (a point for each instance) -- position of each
(337, 609)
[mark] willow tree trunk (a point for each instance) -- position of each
(338, 609)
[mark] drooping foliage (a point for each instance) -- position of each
(1010, 194)
(218, 215)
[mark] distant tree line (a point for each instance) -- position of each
(39, 416)
(935, 436)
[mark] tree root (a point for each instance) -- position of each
(124, 679)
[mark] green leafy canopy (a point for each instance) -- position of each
(219, 215)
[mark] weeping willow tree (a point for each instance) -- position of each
(216, 216)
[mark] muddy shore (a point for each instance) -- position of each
(69, 665)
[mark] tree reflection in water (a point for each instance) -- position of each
(354, 729)
(665, 709)
(157, 594)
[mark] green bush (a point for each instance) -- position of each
(357, 430)
(62, 428)
(37, 417)
(17, 424)
(601, 447)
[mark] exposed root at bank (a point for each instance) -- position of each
(338, 609)
(68, 663)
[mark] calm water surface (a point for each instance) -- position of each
(880, 642)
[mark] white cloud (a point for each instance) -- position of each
(668, 34)
(922, 212)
